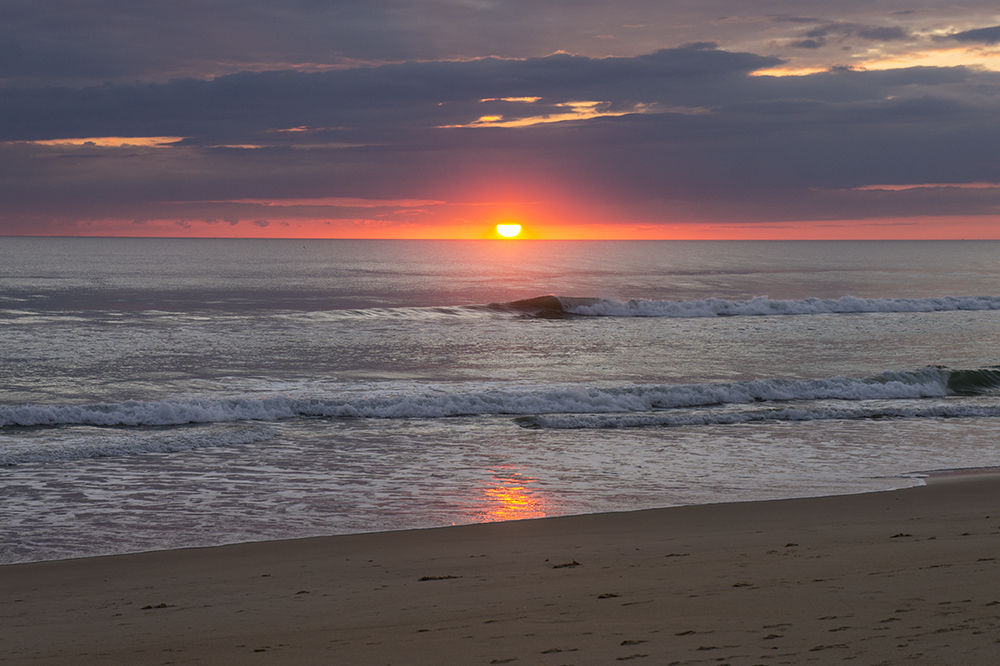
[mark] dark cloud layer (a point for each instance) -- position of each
(386, 98)
(979, 35)
(86, 42)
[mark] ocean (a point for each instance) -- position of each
(168, 393)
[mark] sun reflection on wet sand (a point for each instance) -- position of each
(511, 497)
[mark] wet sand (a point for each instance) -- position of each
(908, 576)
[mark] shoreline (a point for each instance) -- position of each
(914, 480)
(882, 577)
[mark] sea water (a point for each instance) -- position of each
(164, 393)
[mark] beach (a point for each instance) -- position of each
(879, 578)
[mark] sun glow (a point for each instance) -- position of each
(508, 230)
(511, 495)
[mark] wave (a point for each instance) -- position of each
(974, 382)
(558, 307)
(440, 401)
(825, 411)
(82, 447)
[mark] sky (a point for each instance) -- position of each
(671, 119)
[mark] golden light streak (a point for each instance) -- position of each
(979, 57)
(528, 100)
(789, 71)
(959, 57)
(168, 141)
(112, 141)
(576, 111)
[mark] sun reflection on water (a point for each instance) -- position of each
(510, 496)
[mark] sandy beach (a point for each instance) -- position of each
(884, 578)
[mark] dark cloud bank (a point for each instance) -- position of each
(979, 36)
(694, 134)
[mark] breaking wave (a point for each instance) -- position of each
(556, 307)
(823, 411)
(73, 446)
(440, 401)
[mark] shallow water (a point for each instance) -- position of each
(166, 393)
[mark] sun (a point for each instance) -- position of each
(508, 230)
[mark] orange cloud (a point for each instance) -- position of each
(112, 141)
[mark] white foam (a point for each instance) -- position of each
(812, 412)
(436, 401)
(74, 446)
(763, 306)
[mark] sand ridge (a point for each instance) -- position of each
(885, 578)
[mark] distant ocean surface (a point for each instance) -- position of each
(166, 393)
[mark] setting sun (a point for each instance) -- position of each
(508, 230)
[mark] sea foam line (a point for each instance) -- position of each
(438, 401)
(825, 412)
(763, 306)
(82, 447)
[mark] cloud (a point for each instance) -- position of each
(869, 32)
(94, 42)
(808, 43)
(979, 35)
(818, 36)
(688, 131)
(233, 109)
(113, 41)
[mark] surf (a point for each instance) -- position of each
(390, 400)
(561, 307)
